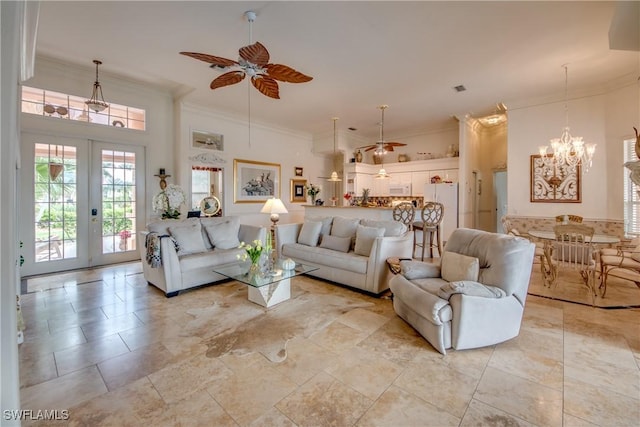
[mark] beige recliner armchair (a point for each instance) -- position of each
(475, 297)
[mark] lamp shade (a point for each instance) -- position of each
(274, 206)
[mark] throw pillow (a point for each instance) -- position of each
(336, 243)
(455, 267)
(224, 235)
(471, 288)
(365, 236)
(326, 223)
(391, 228)
(189, 237)
(344, 227)
(419, 270)
(310, 233)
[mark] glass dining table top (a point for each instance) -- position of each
(240, 271)
(602, 239)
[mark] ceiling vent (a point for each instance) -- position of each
(459, 88)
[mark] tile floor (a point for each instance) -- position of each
(114, 351)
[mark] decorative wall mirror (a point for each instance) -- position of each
(207, 183)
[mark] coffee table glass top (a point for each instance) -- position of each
(239, 271)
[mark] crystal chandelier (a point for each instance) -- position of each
(95, 103)
(568, 150)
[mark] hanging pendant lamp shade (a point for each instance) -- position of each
(55, 167)
(96, 103)
(334, 175)
(380, 150)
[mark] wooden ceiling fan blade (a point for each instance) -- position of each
(372, 147)
(266, 85)
(215, 61)
(255, 53)
(287, 74)
(230, 78)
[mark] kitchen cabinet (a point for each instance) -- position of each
(418, 180)
(358, 181)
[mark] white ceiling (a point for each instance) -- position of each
(361, 54)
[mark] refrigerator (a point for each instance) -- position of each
(447, 194)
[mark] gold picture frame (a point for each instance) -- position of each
(297, 191)
(255, 182)
(552, 182)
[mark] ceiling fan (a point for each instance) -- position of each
(253, 62)
(382, 146)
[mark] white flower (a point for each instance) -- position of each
(169, 199)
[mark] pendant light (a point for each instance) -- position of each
(55, 167)
(380, 150)
(96, 103)
(334, 175)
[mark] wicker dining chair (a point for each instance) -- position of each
(404, 212)
(432, 215)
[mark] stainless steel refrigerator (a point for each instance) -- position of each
(447, 194)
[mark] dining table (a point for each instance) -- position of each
(597, 239)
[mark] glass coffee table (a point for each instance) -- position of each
(268, 289)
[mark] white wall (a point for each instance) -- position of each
(600, 119)
(268, 144)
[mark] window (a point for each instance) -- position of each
(631, 194)
(55, 104)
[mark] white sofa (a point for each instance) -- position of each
(474, 297)
(348, 251)
(203, 244)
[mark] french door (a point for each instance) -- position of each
(82, 203)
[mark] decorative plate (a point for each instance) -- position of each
(210, 205)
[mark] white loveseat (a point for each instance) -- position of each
(203, 243)
(348, 251)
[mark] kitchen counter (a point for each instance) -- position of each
(377, 213)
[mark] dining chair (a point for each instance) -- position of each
(432, 215)
(573, 249)
(622, 262)
(404, 212)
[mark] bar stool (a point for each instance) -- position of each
(405, 213)
(432, 214)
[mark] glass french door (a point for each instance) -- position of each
(80, 203)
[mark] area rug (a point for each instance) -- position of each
(234, 324)
(570, 288)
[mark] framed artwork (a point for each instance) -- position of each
(298, 171)
(255, 182)
(554, 182)
(207, 140)
(297, 191)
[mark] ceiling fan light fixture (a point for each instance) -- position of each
(96, 103)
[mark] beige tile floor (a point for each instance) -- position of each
(114, 351)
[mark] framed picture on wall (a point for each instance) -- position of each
(297, 191)
(207, 140)
(255, 182)
(553, 182)
(298, 171)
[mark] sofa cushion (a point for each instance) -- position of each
(208, 259)
(455, 267)
(224, 234)
(189, 238)
(418, 269)
(310, 233)
(162, 226)
(344, 227)
(326, 223)
(326, 257)
(365, 236)
(336, 243)
(391, 228)
(471, 288)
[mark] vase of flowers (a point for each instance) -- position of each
(168, 201)
(313, 190)
(124, 239)
(252, 252)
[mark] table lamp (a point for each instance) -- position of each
(275, 207)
